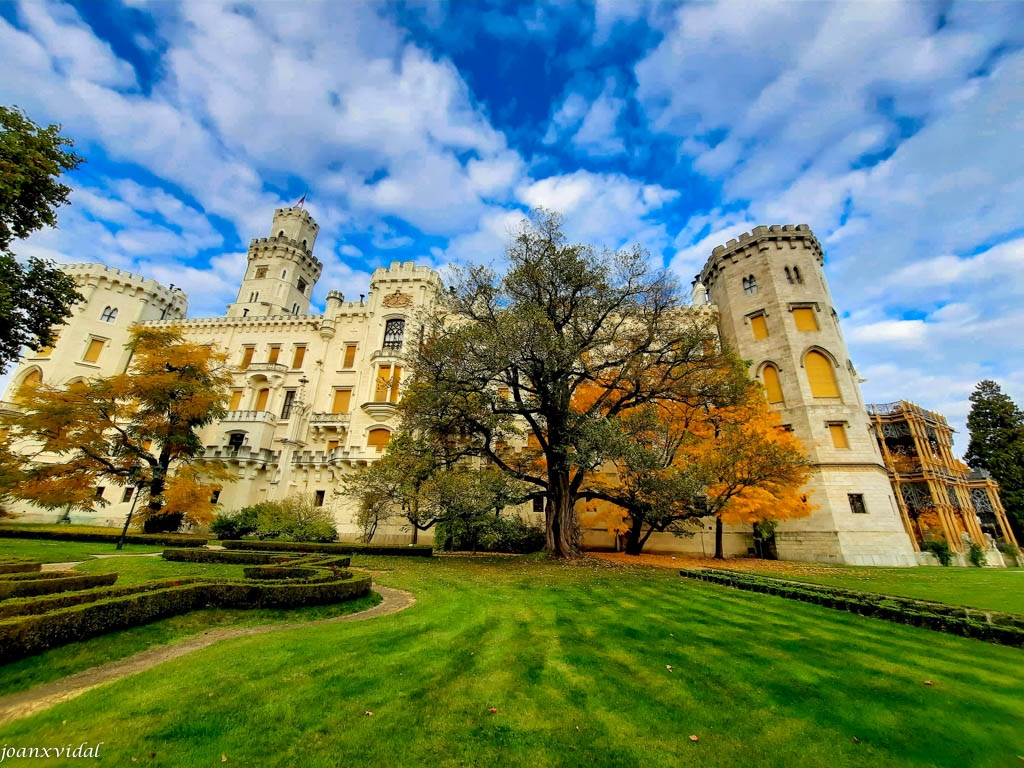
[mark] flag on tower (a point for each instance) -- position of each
(301, 200)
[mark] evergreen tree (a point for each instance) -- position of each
(996, 425)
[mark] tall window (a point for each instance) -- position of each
(837, 430)
(820, 375)
(350, 356)
(301, 285)
(300, 354)
(789, 275)
(857, 503)
(109, 315)
(378, 438)
(393, 331)
(92, 354)
(388, 381)
(261, 399)
(759, 326)
(796, 274)
(772, 385)
(804, 319)
(236, 400)
(289, 402)
(246, 357)
(275, 352)
(750, 284)
(342, 401)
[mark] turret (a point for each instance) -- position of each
(281, 269)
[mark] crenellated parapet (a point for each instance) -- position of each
(407, 271)
(174, 300)
(763, 238)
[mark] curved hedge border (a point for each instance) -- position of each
(417, 550)
(32, 584)
(19, 565)
(993, 626)
(31, 626)
(54, 534)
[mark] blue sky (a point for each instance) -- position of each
(422, 131)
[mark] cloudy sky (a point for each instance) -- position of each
(421, 131)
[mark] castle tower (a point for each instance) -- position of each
(776, 310)
(281, 269)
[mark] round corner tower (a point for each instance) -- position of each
(281, 269)
(775, 309)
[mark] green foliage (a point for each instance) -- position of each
(296, 518)
(31, 584)
(976, 555)
(235, 525)
(344, 548)
(88, 533)
(996, 425)
(940, 548)
(36, 298)
(491, 533)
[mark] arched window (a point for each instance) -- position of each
(796, 274)
(772, 384)
(295, 309)
(378, 438)
(820, 375)
(789, 275)
(301, 286)
(109, 315)
(304, 244)
(393, 332)
(284, 274)
(281, 233)
(750, 284)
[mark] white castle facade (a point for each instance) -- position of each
(314, 396)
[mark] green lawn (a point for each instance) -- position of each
(997, 589)
(573, 658)
(67, 551)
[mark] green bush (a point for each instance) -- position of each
(168, 523)
(254, 558)
(296, 518)
(491, 533)
(1007, 629)
(19, 565)
(940, 548)
(65, 534)
(976, 555)
(36, 605)
(235, 525)
(345, 548)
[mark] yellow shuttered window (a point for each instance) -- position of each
(396, 380)
(275, 352)
(261, 399)
(350, 356)
(236, 400)
(820, 375)
(805, 319)
(759, 326)
(342, 401)
(838, 432)
(300, 354)
(92, 354)
(378, 438)
(772, 385)
(380, 393)
(247, 357)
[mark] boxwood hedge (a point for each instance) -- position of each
(993, 626)
(417, 550)
(19, 565)
(17, 585)
(58, 534)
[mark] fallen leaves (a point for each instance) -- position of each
(492, 710)
(223, 758)
(368, 713)
(928, 682)
(693, 738)
(669, 668)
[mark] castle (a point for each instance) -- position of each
(314, 396)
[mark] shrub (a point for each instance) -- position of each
(19, 565)
(976, 555)
(344, 548)
(296, 518)
(65, 534)
(492, 533)
(940, 548)
(235, 525)
(48, 583)
(168, 523)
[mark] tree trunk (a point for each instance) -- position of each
(415, 534)
(719, 554)
(563, 528)
(634, 539)
(128, 519)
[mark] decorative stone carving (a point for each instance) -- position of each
(397, 299)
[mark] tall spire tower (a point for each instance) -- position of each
(281, 269)
(776, 309)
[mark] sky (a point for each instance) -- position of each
(423, 131)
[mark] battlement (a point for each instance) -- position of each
(761, 237)
(297, 213)
(405, 270)
(101, 273)
(304, 255)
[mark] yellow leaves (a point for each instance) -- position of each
(189, 494)
(612, 518)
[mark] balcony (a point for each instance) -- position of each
(242, 453)
(323, 419)
(255, 417)
(266, 368)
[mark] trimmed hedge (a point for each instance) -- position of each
(26, 606)
(253, 558)
(993, 626)
(26, 635)
(418, 550)
(23, 585)
(19, 565)
(55, 534)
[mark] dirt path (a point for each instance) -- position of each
(18, 705)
